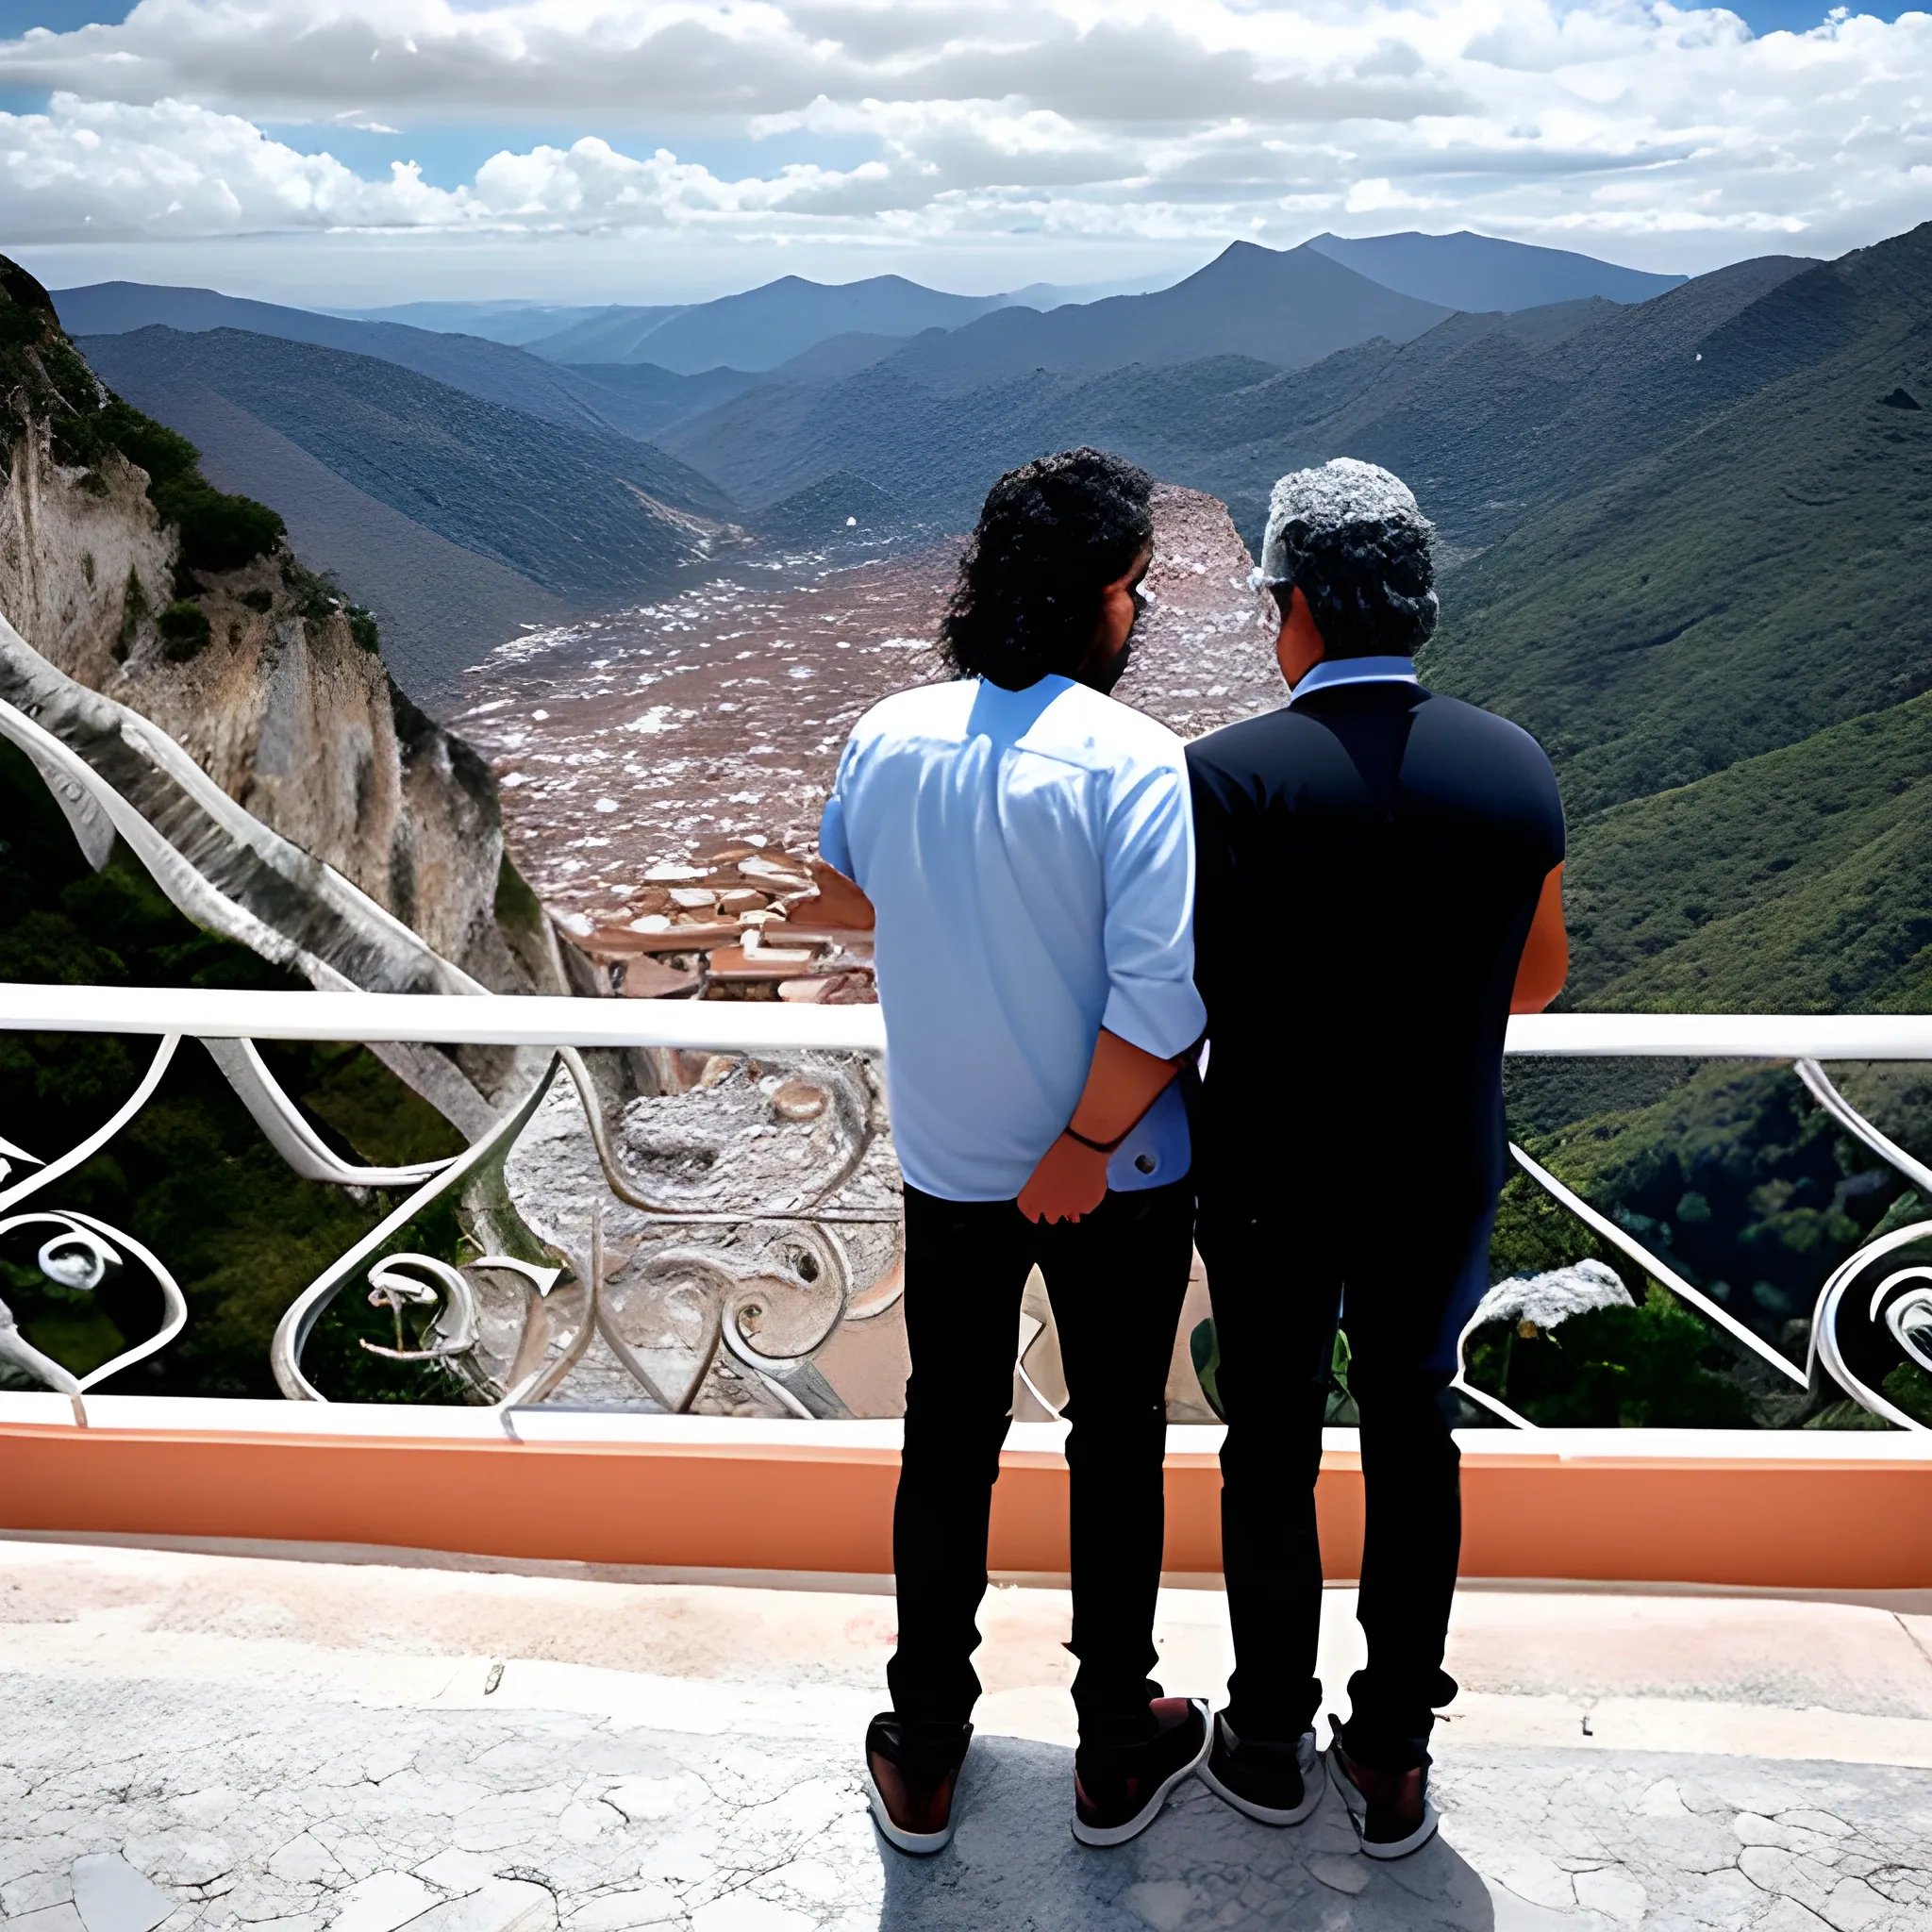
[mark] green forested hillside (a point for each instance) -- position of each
(1725, 644)
(1759, 581)
(589, 515)
(1799, 881)
(1723, 648)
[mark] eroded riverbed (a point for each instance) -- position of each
(646, 736)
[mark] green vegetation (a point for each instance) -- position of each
(1734, 1179)
(192, 1176)
(1760, 581)
(218, 532)
(1726, 647)
(1723, 648)
(1798, 881)
(1655, 1366)
(185, 632)
(318, 596)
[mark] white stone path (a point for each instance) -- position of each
(231, 1742)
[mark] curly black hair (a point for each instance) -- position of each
(1369, 586)
(1053, 535)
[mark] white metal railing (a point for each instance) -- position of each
(753, 1026)
(718, 1025)
(516, 1322)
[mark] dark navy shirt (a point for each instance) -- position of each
(1369, 858)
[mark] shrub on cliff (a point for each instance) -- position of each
(318, 597)
(218, 531)
(41, 373)
(185, 631)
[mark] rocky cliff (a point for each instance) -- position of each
(128, 573)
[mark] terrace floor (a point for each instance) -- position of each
(226, 1740)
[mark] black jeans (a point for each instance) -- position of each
(1279, 1278)
(1116, 1280)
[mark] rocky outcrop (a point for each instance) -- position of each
(266, 679)
(79, 563)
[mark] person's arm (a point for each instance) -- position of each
(1122, 1083)
(1545, 963)
(1152, 1013)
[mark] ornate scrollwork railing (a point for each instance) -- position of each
(1856, 1344)
(586, 1235)
(79, 1249)
(1855, 1337)
(712, 1197)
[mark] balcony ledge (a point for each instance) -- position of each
(1796, 1510)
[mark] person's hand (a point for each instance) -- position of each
(840, 902)
(1070, 1181)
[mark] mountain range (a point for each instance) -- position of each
(1494, 416)
(1684, 537)
(1481, 271)
(491, 370)
(285, 408)
(763, 327)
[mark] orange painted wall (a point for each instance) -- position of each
(1808, 1524)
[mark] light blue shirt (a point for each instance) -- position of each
(1031, 856)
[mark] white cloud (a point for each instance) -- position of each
(1162, 120)
(94, 171)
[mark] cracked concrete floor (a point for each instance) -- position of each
(190, 1740)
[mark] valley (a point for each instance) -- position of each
(632, 740)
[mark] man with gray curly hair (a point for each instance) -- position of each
(1379, 888)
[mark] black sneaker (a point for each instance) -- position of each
(1272, 1784)
(910, 1775)
(1390, 1810)
(1118, 1794)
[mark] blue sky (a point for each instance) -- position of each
(372, 150)
(17, 16)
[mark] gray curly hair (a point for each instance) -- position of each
(1352, 540)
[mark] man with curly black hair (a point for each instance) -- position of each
(1026, 846)
(1380, 887)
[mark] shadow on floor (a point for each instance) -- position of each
(1014, 1865)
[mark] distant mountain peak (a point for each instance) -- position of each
(1484, 273)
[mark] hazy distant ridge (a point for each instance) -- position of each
(1480, 272)
(584, 512)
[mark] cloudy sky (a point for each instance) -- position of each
(382, 150)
